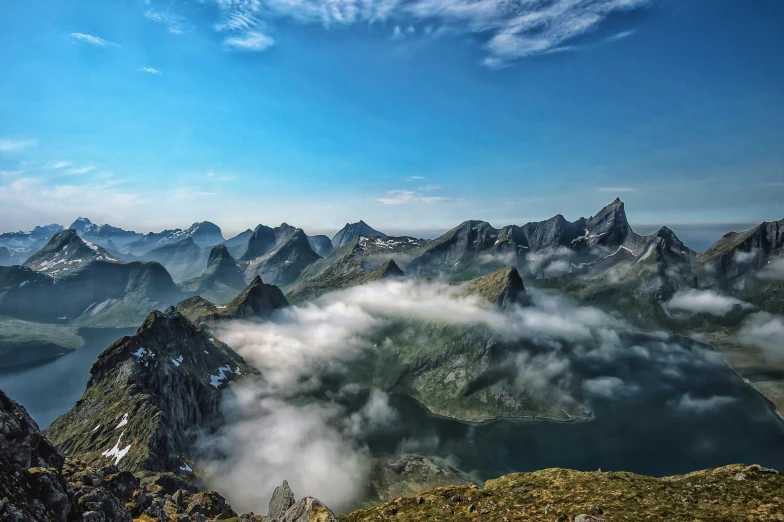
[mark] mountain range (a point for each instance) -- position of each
(127, 450)
(601, 252)
(70, 281)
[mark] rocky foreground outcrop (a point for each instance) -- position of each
(730, 493)
(148, 397)
(37, 483)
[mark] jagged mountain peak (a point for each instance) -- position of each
(256, 301)
(389, 269)
(81, 223)
(502, 287)
(352, 230)
(219, 254)
(67, 252)
(262, 240)
(148, 394)
(282, 262)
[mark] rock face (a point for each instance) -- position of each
(67, 252)
(284, 262)
(37, 483)
(736, 255)
(282, 499)
(239, 243)
(148, 395)
(104, 235)
(222, 279)
(343, 269)
(256, 301)
(71, 278)
(31, 480)
(22, 244)
(183, 259)
(354, 230)
(205, 234)
(503, 287)
(283, 508)
(309, 509)
(321, 245)
(262, 240)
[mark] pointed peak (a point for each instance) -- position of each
(390, 269)
(502, 287)
(282, 499)
(218, 254)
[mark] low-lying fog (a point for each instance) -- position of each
(662, 405)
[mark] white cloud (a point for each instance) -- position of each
(705, 302)
(150, 70)
(57, 165)
(773, 270)
(766, 331)
(81, 170)
(405, 197)
(23, 197)
(620, 36)
(251, 41)
(16, 145)
(415, 178)
(617, 189)
(609, 387)
(742, 257)
(92, 40)
(515, 30)
(690, 404)
(171, 21)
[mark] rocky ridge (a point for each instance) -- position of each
(257, 300)
(148, 396)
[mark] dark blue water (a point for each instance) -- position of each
(50, 389)
(682, 410)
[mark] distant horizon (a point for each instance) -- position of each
(697, 236)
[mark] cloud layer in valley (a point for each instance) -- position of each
(704, 302)
(308, 420)
(766, 331)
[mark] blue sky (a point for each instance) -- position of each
(409, 114)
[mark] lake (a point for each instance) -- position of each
(50, 389)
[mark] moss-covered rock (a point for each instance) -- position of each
(731, 493)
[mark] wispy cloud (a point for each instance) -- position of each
(16, 145)
(251, 41)
(404, 197)
(92, 40)
(621, 35)
(430, 187)
(150, 70)
(516, 30)
(617, 189)
(170, 20)
(415, 178)
(80, 170)
(57, 165)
